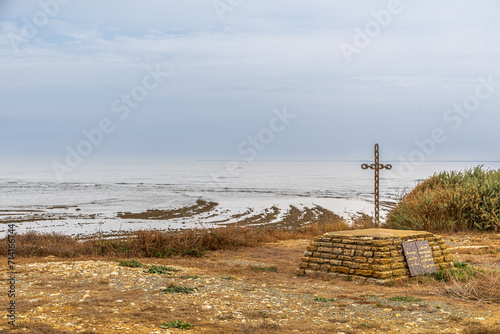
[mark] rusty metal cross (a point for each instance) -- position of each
(377, 166)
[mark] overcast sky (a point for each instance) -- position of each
(249, 79)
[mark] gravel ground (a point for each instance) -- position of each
(99, 296)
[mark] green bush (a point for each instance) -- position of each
(457, 201)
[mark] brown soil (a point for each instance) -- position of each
(240, 292)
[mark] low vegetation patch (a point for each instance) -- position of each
(408, 299)
(476, 327)
(468, 283)
(190, 277)
(451, 201)
(161, 270)
(460, 271)
(268, 269)
(366, 325)
(178, 289)
(324, 300)
(483, 287)
(130, 263)
(177, 324)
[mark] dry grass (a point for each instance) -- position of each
(161, 244)
(483, 287)
(361, 220)
(44, 244)
(475, 327)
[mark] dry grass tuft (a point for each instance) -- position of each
(475, 327)
(44, 244)
(484, 287)
(361, 221)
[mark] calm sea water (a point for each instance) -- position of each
(100, 191)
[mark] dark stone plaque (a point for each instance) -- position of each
(419, 258)
(412, 259)
(425, 253)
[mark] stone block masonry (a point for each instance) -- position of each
(374, 255)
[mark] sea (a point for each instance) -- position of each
(87, 200)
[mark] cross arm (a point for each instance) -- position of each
(374, 166)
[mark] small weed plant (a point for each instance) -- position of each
(408, 299)
(460, 271)
(177, 324)
(265, 269)
(130, 263)
(190, 277)
(179, 289)
(324, 300)
(161, 270)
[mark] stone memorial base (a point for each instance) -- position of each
(374, 255)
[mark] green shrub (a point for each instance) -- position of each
(120, 246)
(458, 201)
(195, 252)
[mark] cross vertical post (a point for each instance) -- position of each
(377, 167)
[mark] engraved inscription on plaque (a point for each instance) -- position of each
(426, 259)
(412, 259)
(419, 258)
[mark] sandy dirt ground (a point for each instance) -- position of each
(251, 290)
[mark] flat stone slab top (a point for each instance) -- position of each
(377, 233)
